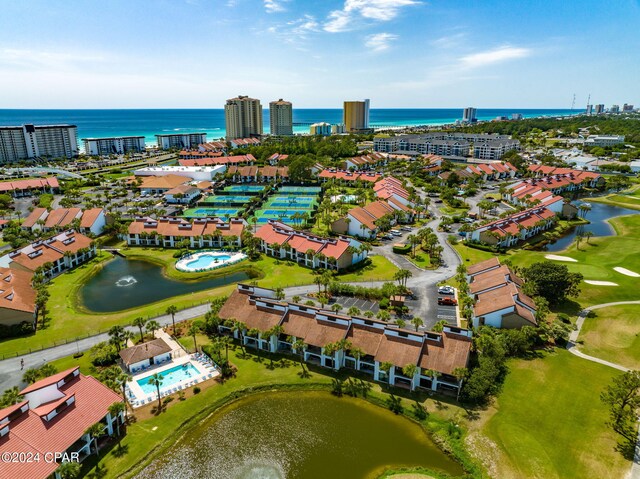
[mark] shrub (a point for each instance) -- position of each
(384, 303)
(402, 249)
(103, 354)
(196, 390)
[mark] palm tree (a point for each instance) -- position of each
(240, 328)
(172, 310)
(353, 311)
(10, 397)
(336, 307)
(140, 323)
(117, 335)
(386, 368)
(588, 234)
(409, 371)
(369, 314)
(152, 327)
(115, 410)
(296, 299)
(401, 276)
(42, 296)
(417, 322)
(194, 329)
(383, 315)
(299, 346)
(156, 380)
(439, 326)
(225, 342)
(94, 431)
(69, 470)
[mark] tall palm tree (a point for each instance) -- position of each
(94, 431)
(69, 470)
(156, 380)
(417, 322)
(10, 397)
(152, 327)
(116, 335)
(194, 329)
(298, 345)
(172, 310)
(115, 410)
(140, 323)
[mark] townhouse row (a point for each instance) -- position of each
(339, 341)
(169, 232)
(85, 221)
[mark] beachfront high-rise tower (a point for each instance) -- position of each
(243, 117)
(38, 141)
(469, 115)
(355, 115)
(281, 118)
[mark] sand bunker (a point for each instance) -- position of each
(600, 283)
(560, 258)
(626, 272)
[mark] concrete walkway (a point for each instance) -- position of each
(634, 472)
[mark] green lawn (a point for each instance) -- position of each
(145, 435)
(68, 320)
(550, 421)
(627, 199)
(472, 255)
(613, 334)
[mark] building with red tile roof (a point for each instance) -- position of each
(17, 297)
(282, 241)
(53, 255)
(498, 296)
(508, 231)
(19, 188)
(53, 418)
(377, 341)
(244, 142)
(366, 162)
(361, 220)
(168, 232)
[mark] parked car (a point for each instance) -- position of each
(438, 201)
(406, 228)
(447, 301)
(445, 290)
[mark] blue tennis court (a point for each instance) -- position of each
(230, 199)
(299, 190)
(280, 212)
(244, 188)
(199, 212)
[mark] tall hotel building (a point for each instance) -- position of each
(31, 141)
(469, 115)
(181, 140)
(281, 118)
(243, 117)
(113, 146)
(355, 115)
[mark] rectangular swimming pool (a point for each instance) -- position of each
(170, 377)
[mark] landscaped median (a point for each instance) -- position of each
(69, 320)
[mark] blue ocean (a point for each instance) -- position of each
(148, 123)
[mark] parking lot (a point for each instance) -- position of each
(362, 304)
(447, 313)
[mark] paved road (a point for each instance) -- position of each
(11, 374)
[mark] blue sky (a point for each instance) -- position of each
(317, 53)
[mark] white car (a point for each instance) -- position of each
(445, 290)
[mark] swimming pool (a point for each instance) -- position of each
(207, 260)
(182, 372)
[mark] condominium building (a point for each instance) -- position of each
(469, 115)
(614, 109)
(321, 129)
(113, 146)
(337, 129)
(181, 140)
(281, 118)
(589, 109)
(35, 141)
(355, 115)
(599, 109)
(604, 140)
(243, 117)
(494, 150)
(627, 107)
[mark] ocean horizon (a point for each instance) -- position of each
(100, 123)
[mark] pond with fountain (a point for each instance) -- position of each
(309, 435)
(123, 284)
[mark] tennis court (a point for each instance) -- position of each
(248, 189)
(202, 212)
(299, 190)
(227, 200)
(293, 202)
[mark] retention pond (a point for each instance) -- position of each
(124, 284)
(310, 435)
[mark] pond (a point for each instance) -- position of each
(123, 284)
(310, 435)
(598, 217)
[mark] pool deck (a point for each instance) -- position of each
(203, 365)
(183, 263)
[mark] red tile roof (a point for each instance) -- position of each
(16, 292)
(48, 381)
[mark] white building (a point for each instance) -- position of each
(181, 140)
(337, 129)
(38, 141)
(145, 355)
(199, 173)
(604, 140)
(113, 146)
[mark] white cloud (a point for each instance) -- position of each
(380, 41)
(449, 41)
(273, 6)
(490, 57)
(353, 10)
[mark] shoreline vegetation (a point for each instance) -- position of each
(68, 320)
(256, 377)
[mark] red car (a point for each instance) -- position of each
(447, 301)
